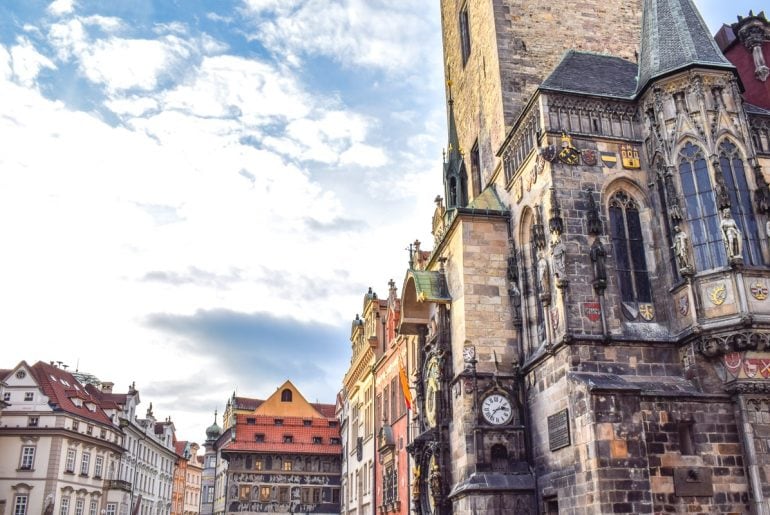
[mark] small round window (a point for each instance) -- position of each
(21, 374)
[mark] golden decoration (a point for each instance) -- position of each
(758, 290)
(718, 294)
(647, 311)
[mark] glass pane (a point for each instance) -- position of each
(685, 172)
(702, 175)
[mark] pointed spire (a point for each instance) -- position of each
(455, 180)
(675, 37)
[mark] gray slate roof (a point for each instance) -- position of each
(593, 74)
(674, 37)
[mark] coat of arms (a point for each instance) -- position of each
(718, 294)
(609, 159)
(548, 153)
(733, 362)
(629, 156)
(683, 305)
(647, 311)
(592, 311)
(758, 290)
(589, 156)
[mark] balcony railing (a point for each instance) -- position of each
(117, 484)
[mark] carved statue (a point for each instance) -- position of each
(599, 259)
(682, 251)
(543, 275)
(731, 235)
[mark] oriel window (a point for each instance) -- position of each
(702, 213)
(740, 200)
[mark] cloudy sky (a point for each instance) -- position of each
(195, 195)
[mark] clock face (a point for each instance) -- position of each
(431, 389)
(496, 409)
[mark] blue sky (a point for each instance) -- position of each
(195, 195)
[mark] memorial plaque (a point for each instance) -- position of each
(558, 430)
(693, 482)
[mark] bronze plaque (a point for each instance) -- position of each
(693, 482)
(558, 430)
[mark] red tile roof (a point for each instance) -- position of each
(59, 386)
(302, 435)
(246, 403)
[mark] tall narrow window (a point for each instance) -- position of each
(628, 248)
(702, 213)
(465, 34)
(85, 463)
(69, 463)
(20, 505)
(740, 200)
(65, 506)
(476, 170)
(27, 458)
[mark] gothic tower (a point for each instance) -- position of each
(497, 52)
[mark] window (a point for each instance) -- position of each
(93, 508)
(686, 445)
(251, 421)
(288, 439)
(465, 34)
(283, 494)
(286, 395)
(69, 463)
(259, 437)
(112, 508)
(386, 405)
(85, 463)
(628, 248)
(28, 396)
(27, 458)
(7, 398)
(98, 465)
(390, 485)
(75, 425)
(278, 421)
(65, 506)
(307, 422)
(33, 421)
(702, 216)
(287, 465)
(264, 494)
(335, 441)
(89, 429)
(259, 464)
(317, 439)
(476, 170)
(245, 492)
(499, 455)
(20, 505)
(734, 174)
(333, 423)
(102, 434)
(79, 506)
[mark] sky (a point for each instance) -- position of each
(195, 195)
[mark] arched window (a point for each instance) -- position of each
(701, 206)
(740, 200)
(286, 395)
(532, 312)
(628, 249)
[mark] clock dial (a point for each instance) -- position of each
(496, 409)
(431, 391)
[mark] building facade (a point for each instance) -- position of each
(591, 321)
(283, 457)
(209, 470)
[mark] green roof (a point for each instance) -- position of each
(488, 200)
(430, 286)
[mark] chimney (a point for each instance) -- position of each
(107, 387)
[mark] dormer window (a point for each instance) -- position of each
(259, 438)
(251, 421)
(77, 402)
(91, 406)
(278, 421)
(307, 422)
(29, 396)
(317, 440)
(288, 439)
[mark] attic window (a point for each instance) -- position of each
(77, 402)
(28, 396)
(21, 374)
(91, 406)
(259, 437)
(317, 439)
(286, 395)
(288, 439)
(64, 382)
(278, 421)
(335, 441)
(251, 421)
(307, 422)
(333, 423)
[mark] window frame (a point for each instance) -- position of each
(20, 504)
(464, 21)
(24, 457)
(69, 461)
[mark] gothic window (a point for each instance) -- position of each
(534, 324)
(452, 192)
(465, 34)
(702, 212)
(628, 248)
(476, 170)
(733, 171)
(286, 395)
(499, 455)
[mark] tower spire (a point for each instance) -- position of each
(455, 178)
(674, 38)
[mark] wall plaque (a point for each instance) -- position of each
(693, 482)
(558, 430)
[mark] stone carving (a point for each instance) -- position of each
(732, 236)
(598, 259)
(543, 278)
(682, 251)
(723, 198)
(555, 222)
(723, 343)
(592, 217)
(559, 260)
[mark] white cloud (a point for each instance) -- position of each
(27, 62)
(61, 7)
(364, 155)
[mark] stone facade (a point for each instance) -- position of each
(592, 322)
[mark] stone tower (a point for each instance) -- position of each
(497, 52)
(594, 321)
